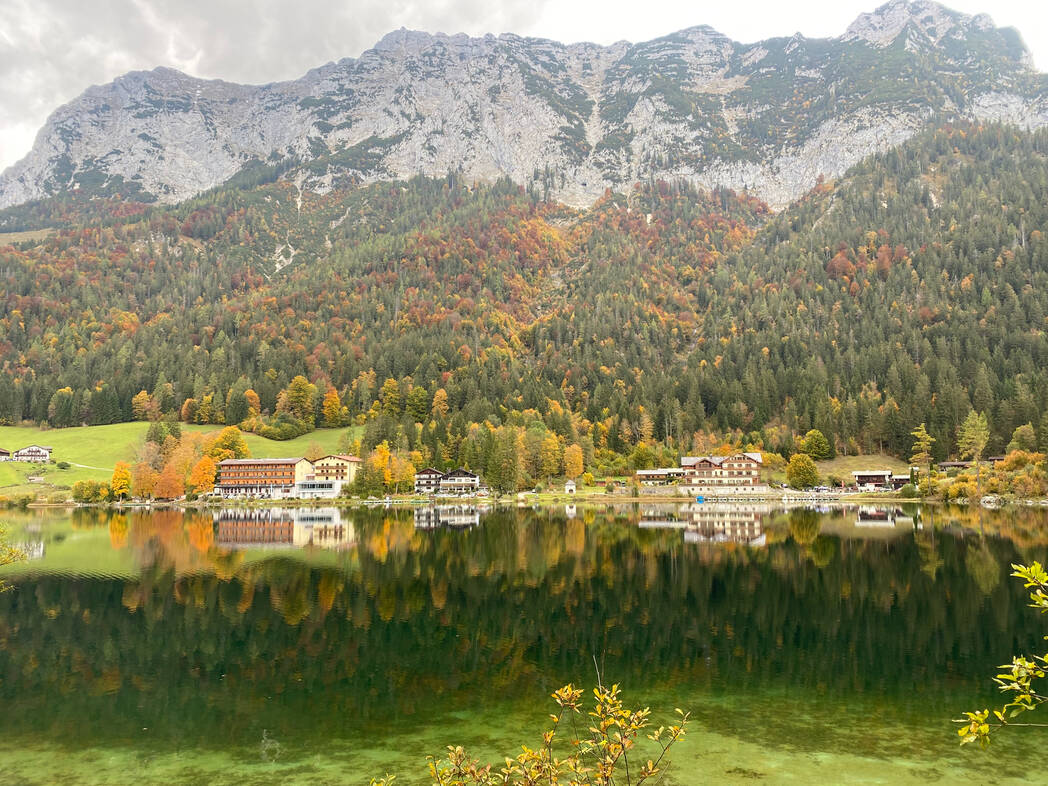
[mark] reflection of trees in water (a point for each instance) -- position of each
(205, 638)
(804, 525)
(983, 566)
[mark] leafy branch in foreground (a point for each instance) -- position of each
(598, 757)
(1016, 678)
(8, 554)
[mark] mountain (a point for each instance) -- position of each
(769, 118)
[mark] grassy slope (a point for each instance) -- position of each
(98, 448)
(21, 237)
(844, 466)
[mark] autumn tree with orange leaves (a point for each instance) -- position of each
(202, 476)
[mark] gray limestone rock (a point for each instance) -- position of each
(571, 120)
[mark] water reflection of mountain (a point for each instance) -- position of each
(283, 527)
(712, 522)
(451, 516)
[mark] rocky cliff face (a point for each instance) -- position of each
(571, 120)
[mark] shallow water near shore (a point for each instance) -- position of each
(322, 646)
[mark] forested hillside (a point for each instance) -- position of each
(910, 291)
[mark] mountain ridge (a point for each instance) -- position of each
(770, 118)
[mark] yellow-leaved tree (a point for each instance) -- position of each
(573, 463)
(120, 483)
(332, 408)
(381, 460)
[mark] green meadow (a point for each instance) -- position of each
(93, 451)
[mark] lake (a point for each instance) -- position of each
(328, 646)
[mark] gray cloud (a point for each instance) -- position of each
(52, 50)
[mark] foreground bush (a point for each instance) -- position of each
(599, 753)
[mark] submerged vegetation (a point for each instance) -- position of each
(598, 753)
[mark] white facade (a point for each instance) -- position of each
(427, 481)
(317, 489)
(459, 481)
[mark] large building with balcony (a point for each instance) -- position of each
(738, 474)
(459, 481)
(738, 469)
(272, 478)
(427, 481)
(337, 467)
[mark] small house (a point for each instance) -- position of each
(5, 455)
(569, 487)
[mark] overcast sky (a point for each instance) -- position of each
(51, 50)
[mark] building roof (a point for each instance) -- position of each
(42, 447)
(429, 471)
(343, 456)
(248, 462)
(887, 472)
(690, 461)
(461, 473)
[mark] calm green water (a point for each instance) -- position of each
(329, 647)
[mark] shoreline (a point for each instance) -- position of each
(530, 500)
